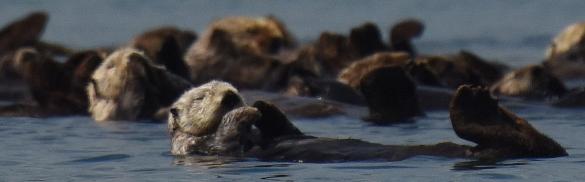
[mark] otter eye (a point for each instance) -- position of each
(200, 98)
(174, 112)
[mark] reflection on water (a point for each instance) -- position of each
(484, 164)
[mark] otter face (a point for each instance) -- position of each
(118, 86)
(199, 111)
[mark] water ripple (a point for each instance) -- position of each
(103, 158)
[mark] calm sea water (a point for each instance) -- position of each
(79, 149)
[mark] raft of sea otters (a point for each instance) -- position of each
(193, 82)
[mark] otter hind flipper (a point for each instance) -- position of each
(498, 133)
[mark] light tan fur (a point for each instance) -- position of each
(567, 40)
(248, 39)
(199, 111)
(354, 72)
(115, 97)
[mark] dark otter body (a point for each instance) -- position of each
(166, 46)
(391, 95)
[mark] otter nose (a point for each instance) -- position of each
(231, 99)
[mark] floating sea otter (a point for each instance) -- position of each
(531, 82)
(536, 82)
(462, 68)
(128, 86)
(431, 98)
(213, 120)
(239, 50)
(565, 56)
(57, 88)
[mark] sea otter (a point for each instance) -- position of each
(530, 82)
(431, 98)
(240, 50)
(213, 120)
(565, 56)
(128, 86)
(57, 88)
(462, 68)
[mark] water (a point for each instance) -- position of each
(79, 149)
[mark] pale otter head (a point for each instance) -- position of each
(120, 87)
(199, 111)
(568, 44)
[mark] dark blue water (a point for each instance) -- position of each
(79, 149)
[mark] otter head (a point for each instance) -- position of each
(568, 44)
(121, 87)
(264, 35)
(199, 111)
